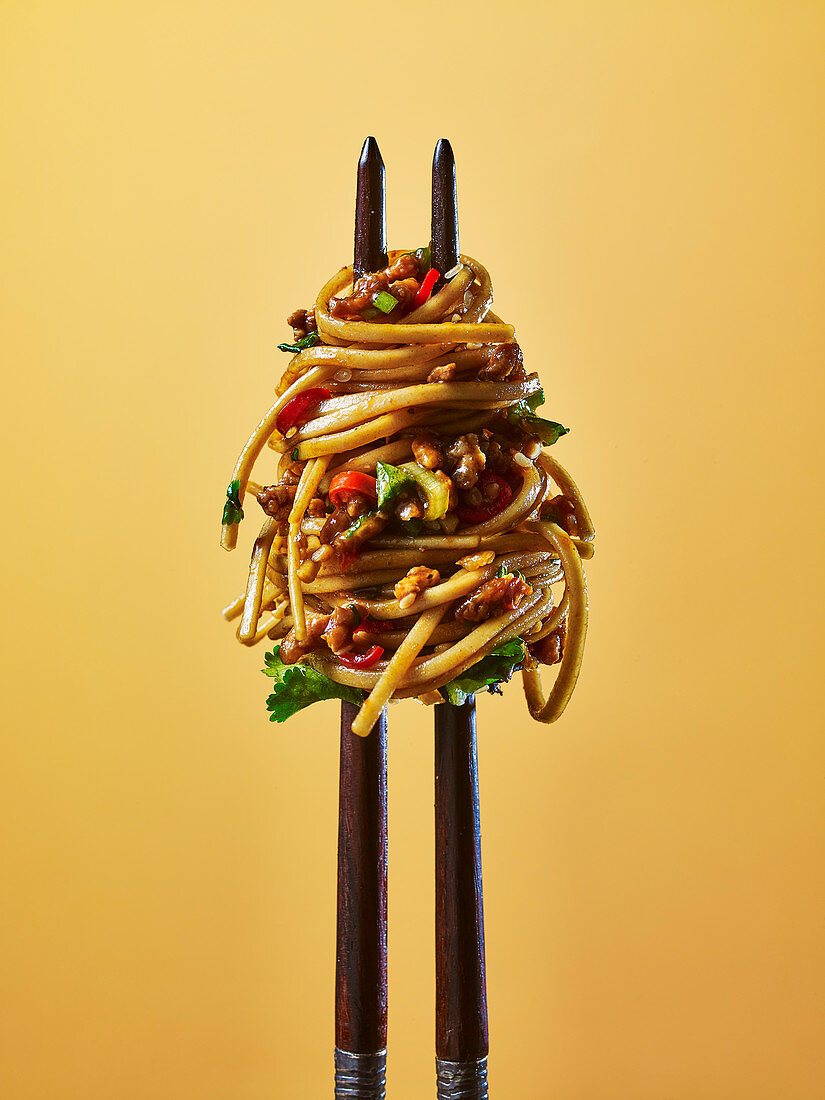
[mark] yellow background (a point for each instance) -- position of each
(644, 181)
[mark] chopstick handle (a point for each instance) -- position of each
(461, 1040)
(361, 956)
(461, 988)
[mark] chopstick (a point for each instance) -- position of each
(361, 957)
(461, 1037)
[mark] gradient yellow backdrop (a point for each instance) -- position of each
(645, 183)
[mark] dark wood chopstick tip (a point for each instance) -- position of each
(370, 153)
(370, 211)
(444, 225)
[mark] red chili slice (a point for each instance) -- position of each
(343, 485)
(430, 279)
(376, 626)
(294, 410)
(362, 660)
(472, 516)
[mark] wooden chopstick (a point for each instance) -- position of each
(361, 959)
(461, 1043)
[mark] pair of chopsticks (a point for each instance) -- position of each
(361, 966)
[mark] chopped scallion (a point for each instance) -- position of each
(385, 301)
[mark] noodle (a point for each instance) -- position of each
(416, 524)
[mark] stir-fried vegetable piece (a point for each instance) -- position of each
(483, 512)
(430, 279)
(385, 301)
(434, 486)
(294, 410)
(362, 660)
(344, 485)
(392, 481)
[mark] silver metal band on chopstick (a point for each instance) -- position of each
(360, 1076)
(461, 1080)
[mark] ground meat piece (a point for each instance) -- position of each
(504, 360)
(358, 505)
(493, 597)
(338, 632)
(477, 560)
(409, 588)
(427, 450)
(292, 650)
(409, 509)
(405, 291)
(292, 474)
(497, 459)
(276, 500)
(371, 526)
(550, 650)
(302, 322)
(469, 460)
(445, 373)
(363, 294)
(405, 267)
(365, 289)
(560, 510)
(337, 522)
(316, 508)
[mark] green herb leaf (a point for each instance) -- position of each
(392, 481)
(385, 301)
(548, 431)
(496, 668)
(528, 406)
(359, 523)
(232, 511)
(309, 341)
(412, 527)
(294, 454)
(299, 686)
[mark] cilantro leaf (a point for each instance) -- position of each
(308, 341)
(497, 667)
(299, 686)
(232, 511)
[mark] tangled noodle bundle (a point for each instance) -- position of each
(419, 540)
